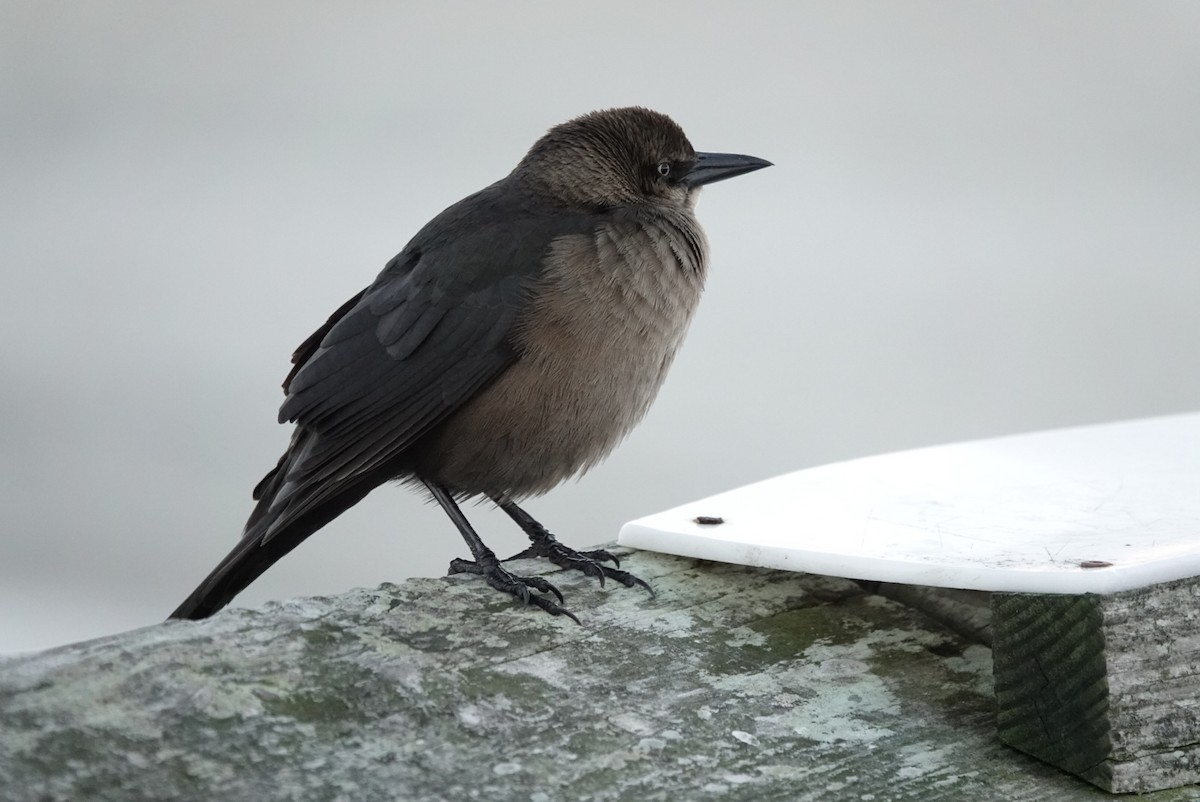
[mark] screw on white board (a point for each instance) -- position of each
(1088, 509)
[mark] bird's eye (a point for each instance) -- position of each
(664, 169)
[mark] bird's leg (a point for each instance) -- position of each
(544, 544)
(487, 566)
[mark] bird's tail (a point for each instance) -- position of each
(248, 560)
(270, 533)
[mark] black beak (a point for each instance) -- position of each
(710, 167)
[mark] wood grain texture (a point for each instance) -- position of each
(1106, 687)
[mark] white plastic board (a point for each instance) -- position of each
(1091, 509)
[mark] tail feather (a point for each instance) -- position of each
(256, 552)
(248, 560)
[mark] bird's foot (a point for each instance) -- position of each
(589, 562)
(489, 568)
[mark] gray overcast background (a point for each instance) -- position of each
(984, 218)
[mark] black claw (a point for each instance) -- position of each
(518, 586)
(487, 566)
(542, 586)
(583, 561)
(590, 563)
(554, 609)
(602, 555)
(521, 591)
(543, 544)
(590, 568)
(642, 583)
(627, 579)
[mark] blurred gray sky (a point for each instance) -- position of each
(984, 218)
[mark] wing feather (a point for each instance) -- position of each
(435, 327)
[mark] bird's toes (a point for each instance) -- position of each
(507, 582)
(601, 572)
(589, 563)
(588, 568)
(541, 585)
(628, 580)
(565, 557)
(573, 560)
(554, 609)
(460, 566)
(519, 586)
(602, 555)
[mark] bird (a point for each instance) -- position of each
(511, 344)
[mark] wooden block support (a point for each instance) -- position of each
(1106, 687)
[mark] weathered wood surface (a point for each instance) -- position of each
(733, 684)
(967, 612)
(1107, 687)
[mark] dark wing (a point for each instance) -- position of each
(309, 347)
(434, 328)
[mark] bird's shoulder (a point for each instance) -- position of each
(499, 232)
(454, 292)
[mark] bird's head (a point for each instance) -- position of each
(625, 157)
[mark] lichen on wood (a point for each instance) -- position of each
(732, 683)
